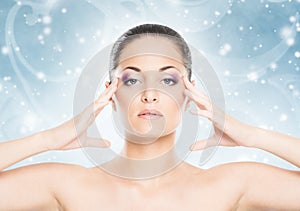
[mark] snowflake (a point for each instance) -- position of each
(283, 117)
(5, 50)
(64, 10)
(47, 19)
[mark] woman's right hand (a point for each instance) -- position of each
(229, 131)
(73, 133)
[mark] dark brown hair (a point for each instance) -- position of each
(152, 30)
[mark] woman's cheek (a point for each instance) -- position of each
(122, 99)
(172, 111)
(126, 107)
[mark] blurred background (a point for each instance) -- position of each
(253, 46)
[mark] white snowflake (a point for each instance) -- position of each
(47, 30)
(292, 19)
(64, 10)
(40, 75)
(283, 117)
(290, 41)
(217, 13)
(6, 78)
(273, 66)
(81, 40)
(225, 49)
(68, 72)
(47, 19)
(5, 50)
(253, 76)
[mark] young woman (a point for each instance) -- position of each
(150, 117)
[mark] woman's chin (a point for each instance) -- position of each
(146, 136)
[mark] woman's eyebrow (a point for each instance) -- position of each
(132, 68)
(168, 67)
(160, 69)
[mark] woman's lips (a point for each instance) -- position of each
(150, 114)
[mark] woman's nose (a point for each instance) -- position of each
(149, 96)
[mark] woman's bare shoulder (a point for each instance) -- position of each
(51, 166)
(241, 167)
(238, 173)
(46, 171)
(235, 172)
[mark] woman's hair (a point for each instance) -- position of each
(154, 30)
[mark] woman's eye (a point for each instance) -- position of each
(130, 82)
(169, 81)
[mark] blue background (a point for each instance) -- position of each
(252, 45)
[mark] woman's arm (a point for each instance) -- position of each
(33, 187)
(237, 133)
(63, 137)
(263, 186)
(282, 145)
(14, 151)
(260, 186)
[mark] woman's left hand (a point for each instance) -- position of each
(231, 131)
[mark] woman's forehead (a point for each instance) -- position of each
(151, 45)
(150, 62)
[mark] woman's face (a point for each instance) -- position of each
(150, 96)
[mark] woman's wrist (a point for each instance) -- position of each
(16, 150)
(240, 132)
(41, 141)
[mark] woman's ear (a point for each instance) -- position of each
(113, 105)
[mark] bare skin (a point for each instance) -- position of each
(233, 186)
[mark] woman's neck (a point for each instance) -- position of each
(145, 160)
(162, 145)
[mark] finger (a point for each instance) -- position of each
(86, 141)
(188, 84)
(196, 95)
(193, 89)
(83, 120)
(203, 113)
(202, 103)
(109, 91)
(204, 144)
(96, 142)
(106, 96)
(187, 105)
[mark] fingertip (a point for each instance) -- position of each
(183, 75)
(107, 143)
(193, 147)
(115, 80)
(188, 93)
